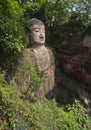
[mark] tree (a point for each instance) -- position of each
(12, 34)
(55, 12)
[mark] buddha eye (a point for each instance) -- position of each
(36, 30)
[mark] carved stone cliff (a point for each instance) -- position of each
(28, 66)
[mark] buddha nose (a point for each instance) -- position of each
(41, 35)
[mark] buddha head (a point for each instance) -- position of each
(37, 32)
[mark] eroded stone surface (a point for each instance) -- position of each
(22, 76)
(48, 80)
(42, 57)
(87, 41)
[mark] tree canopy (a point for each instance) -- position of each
(55, 12)
(15, 14)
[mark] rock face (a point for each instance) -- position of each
(75, 60)
(73, 49)
(46, 67)
(75, 63)
(42, 61)
(72, 46)
(42, 57)
(87, 41)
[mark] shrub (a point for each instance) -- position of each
(81, 118)
(17, 112)
(47, 116)
(12, 107)
(12, 35)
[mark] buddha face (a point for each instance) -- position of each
(38, 34)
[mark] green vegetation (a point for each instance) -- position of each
(14, 17)
(17, 112)
(12, 35)
(11, 105)
(34, 83)
(83, 121)
(35, 79)
(56, 12)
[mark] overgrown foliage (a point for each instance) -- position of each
(16, 112)
(12, 107)
(12, 34)
(14, 17)
(82, 119)
(35, 81)
(55, 12)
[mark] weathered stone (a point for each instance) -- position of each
(48, 80)
(42, 57)
(22, 76)
(87, 41)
